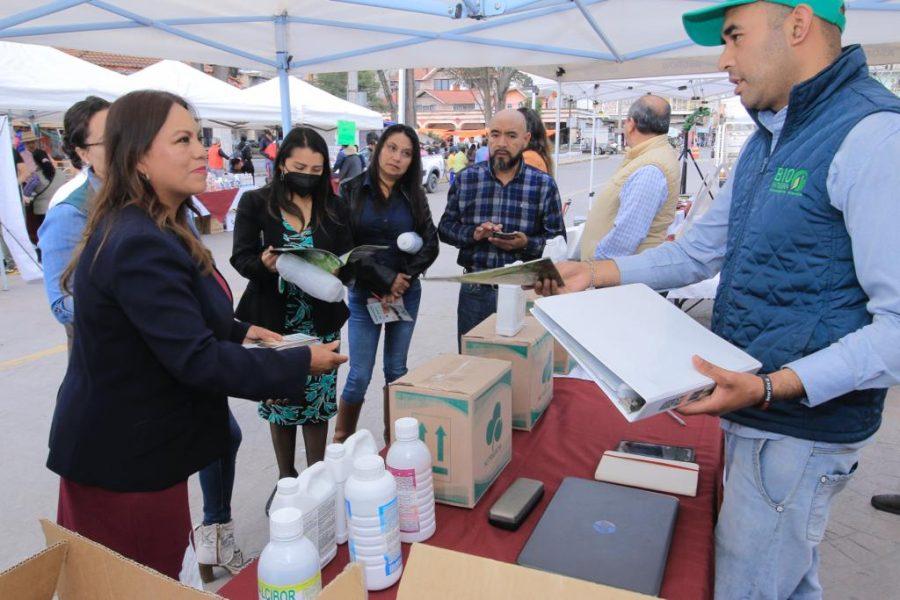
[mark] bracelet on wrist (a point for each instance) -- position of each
(767, 397)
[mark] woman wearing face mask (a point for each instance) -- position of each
(296, 209)
(385, 201)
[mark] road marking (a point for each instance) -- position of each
(17, 362)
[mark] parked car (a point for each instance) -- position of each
(432, 171)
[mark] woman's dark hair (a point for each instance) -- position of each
(44, 163)
(280, 195)
(133, 123)
(539, 142)
(75, 123)
(410, 182)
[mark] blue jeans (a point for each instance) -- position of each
(476, 303)
(217, 480)
(364, 335)
(778, 493)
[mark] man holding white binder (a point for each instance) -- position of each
(804, 236)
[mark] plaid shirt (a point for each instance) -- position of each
(529, 203)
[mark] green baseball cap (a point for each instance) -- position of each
(704, 25)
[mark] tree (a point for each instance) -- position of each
(367, 81)
(490, 85)
(388, 94)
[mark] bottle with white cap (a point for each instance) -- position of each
(289, 564)
(373, 521)
(285, 493)
(334, 460)
(315, 497)
(409, 461)
(410, 242)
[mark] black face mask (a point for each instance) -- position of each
(302, 184)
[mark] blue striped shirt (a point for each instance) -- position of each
(529, 203)
(643, 195)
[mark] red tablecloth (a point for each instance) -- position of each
(578, 426)
(218, 203)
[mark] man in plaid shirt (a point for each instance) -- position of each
(500, 197)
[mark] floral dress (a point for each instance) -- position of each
(321, 390)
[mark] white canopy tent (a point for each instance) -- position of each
(42, 83)
(313, 106)
(707, 86)
(578, 39)
(213, 99)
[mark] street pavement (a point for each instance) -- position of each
(859, 555)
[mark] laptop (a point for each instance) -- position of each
(605, 533)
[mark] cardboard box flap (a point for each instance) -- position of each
(466, 375)
(349, 585)
(94, 571)
(531, 333)
(34, 577)
(434, 573)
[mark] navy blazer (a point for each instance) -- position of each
(156, 354)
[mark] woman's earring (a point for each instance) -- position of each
(145, 177)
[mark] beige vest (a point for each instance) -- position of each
(657, 152)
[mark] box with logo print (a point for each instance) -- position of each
(464, 408)
(531, 353)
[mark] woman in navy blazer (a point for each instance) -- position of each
(157, 353)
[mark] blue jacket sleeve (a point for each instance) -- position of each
(152, 283)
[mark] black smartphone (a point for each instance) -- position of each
(681, 453)
(503, 235)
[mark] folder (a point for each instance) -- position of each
(637, 347)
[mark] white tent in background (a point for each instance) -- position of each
(312, 106)
(213, 99)
(41, 82)
(706, 86)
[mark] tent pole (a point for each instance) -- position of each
(556, 136)
(593, 151)
(534, 93)
(401, 96)
(283, 63)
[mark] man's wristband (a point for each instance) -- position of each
(591, 262)
(767, 399)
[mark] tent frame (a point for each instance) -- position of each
(488, 15)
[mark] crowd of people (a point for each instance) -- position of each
(809, 286)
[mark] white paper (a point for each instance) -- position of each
(396, 311)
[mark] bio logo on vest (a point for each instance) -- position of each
(494, 427)
(789, 181)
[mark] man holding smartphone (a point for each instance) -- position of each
(498, 212)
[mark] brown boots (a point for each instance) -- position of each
(347, 417)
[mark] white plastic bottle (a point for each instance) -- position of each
(315, 497)
(334, 460)
(409, 461)
(374, 522)
(289, 564)
(284, 494)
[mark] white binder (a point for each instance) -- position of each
(637, 346)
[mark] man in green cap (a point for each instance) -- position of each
(804, 237)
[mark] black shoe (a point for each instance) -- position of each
(887, 502)
(269, 501)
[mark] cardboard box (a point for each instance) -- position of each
(76, 568)
(464, 408)
(531, 353)
(439, 574)
(562, 362)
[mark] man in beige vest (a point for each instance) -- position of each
(634, 211)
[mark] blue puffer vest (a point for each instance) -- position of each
(788, 285)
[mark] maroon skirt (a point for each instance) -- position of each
(151, 528)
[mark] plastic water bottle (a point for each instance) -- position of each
(289, 564)
(334, 460)
(409, 461)
(410, 242)
(315, 498)
(373, 519)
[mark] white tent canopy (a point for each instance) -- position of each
(311, 105)
(705, 86)
(213, 99)
(43, 83)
